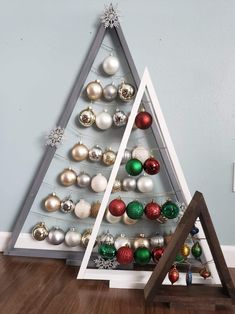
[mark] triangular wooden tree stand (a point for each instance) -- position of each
(199, 295)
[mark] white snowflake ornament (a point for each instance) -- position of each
(102, 263)
(110, 16)
(55, 137)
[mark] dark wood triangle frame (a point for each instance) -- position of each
(205, 294)
(50, 151)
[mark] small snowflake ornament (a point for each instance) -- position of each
(110, 16)
(102, 263)
(55, 137)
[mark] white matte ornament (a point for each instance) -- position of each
(82, 209)
(110, 65)
(128, 221)
(104, 120)
(83, 180)
(98, 183)
(145, 184)
(72, 238)
(110, 92)
(140, 153)
(56, 236)
(129, 184)
(122, 240)
(112, 219)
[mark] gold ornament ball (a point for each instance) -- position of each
(141, 241)
(127, 220)
(86, 237)
(185, 250)
(52, 203)
(117, 186)
(95, 209)
(68, 177)
(86, 117)
(79, 152)
(40, 231)
(109, 157)
(94, 90)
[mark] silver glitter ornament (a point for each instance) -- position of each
(107, 238)
(110, 92)
(129, 184)
(157, 241)
(40, 231)
(95, 153)
(56, 236)
(126, 91)
(141, 241)
(83, 180)
(126, 156)
(86, 117)
(122, 240)
(94, 90)
(67, 206)
(72, 238)
(120, 118)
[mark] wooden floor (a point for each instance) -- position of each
(29, 285)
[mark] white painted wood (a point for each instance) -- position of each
(234, 177)
(4, 238)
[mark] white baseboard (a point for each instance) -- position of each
(228, 250)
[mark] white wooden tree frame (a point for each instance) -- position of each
(138, 279)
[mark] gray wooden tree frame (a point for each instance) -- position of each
(50, 151)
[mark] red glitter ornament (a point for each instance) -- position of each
(173, 274)
(143, 120)
(152, 211)
(151, 166)
(157, 254)
(117, 207)
(124, 255)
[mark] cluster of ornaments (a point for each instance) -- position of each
(57, 236)
(104, 120)
(69, 177)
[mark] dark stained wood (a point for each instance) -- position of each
(226, 294)
(33, 286)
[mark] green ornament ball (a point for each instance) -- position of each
(179, 258)
(142, 256)
(135, 210)
(170, 210)
(196, 250)
(107, 251)
(134, 167)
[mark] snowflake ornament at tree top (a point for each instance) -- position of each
(110, 16)
(55, 137)
(102, 263)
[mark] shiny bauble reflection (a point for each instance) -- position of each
(141, 241)
(40, 231)
(95, 153)
(68, 177)
(110, 92)
(94, 90)
(79, 152)
(72, 238)
(109, 157)
(52, 203)
(126, 92)
(86, 117)
(67, 206)
(56, 236)
(126, 156)
(129, 184)
(120, 118)
(110, 65)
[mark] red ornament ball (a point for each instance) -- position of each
(152, 211)
(125, 255)
(143, 120)
(117, 207)
(157, 254)
(173, 274)
(151, 166)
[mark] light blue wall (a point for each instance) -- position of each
(189, 48)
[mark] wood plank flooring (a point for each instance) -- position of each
(30, 285)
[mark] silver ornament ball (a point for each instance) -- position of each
(83, 180)
(107, 238)
(126, 156)
(72, 238)
(110, 92)
(141, 241)
(95, 153)
(67, 206)
(157, 241)
(56, 236)
(110, 65)
(120, 118)
(129, 184)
